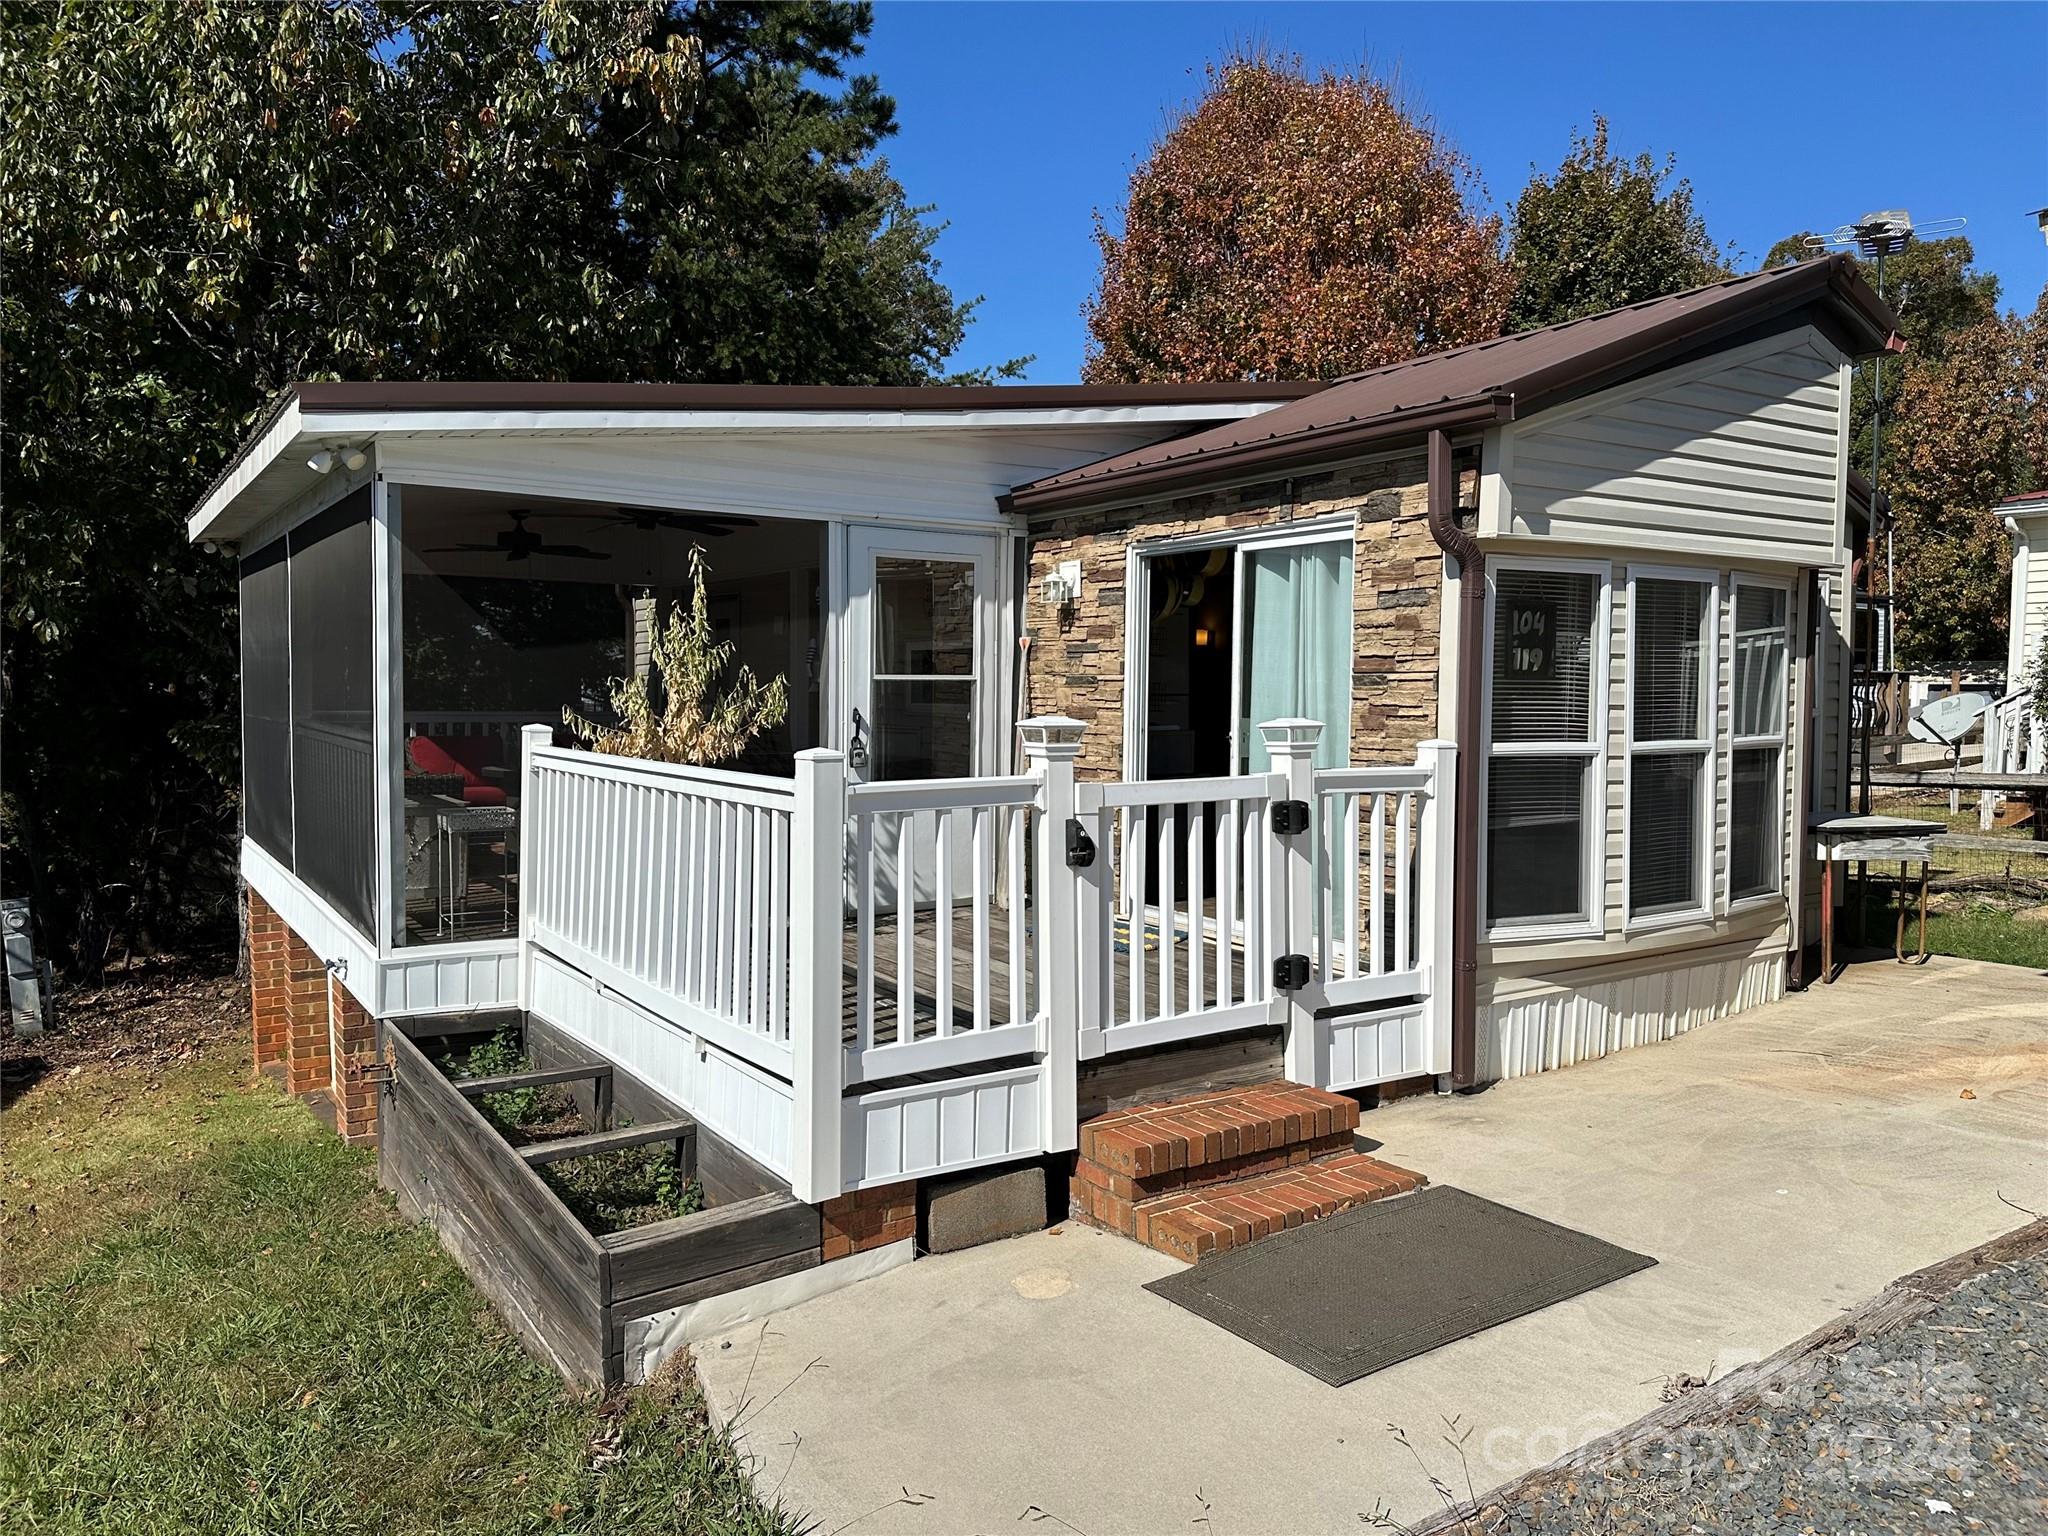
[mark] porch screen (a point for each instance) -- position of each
(267, 701)
(333, 701)
(1543, 743)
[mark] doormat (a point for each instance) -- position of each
(1378, 1284)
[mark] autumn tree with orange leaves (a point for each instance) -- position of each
(1293, 226)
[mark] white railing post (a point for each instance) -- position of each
(1291, 898)
(1435, 853)
(1051, 743)
(817, 916)
(531, 870)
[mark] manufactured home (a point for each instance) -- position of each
(1453, 721)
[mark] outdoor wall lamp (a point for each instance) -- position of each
(320, 461)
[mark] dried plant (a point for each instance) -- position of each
(694, 721)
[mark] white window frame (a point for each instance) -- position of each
(1706, 747)
(1337, 528)
(1737, 742)
(1593, 831)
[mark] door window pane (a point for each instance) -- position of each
(1543, 655)
(1665, 660)
(1753, 843)
(924, 729)
(1663, 838)
(924, 618)
(1535, 846)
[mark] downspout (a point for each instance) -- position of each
(1802, 802)
(1464, 549)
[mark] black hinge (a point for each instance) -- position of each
(1290, 972)
(1290, 817)
(1080, 846)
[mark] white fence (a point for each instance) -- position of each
(914, 970)
(2014, 742)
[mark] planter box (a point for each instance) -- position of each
(568, 1293)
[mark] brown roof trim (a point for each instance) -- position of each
(1517, 374)
(458, 395)
(1298, 450)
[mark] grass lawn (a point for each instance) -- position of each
(1973, 931)
(211, 1319)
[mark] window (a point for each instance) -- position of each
(1670, 743)
(1757, 762)
(1543, 746)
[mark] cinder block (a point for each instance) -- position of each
(976, 1208)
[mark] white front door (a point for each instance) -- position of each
(923, 622)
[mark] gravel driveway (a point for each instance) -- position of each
(1925, 1411)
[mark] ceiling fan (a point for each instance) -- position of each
(521, 543)
(649, 519)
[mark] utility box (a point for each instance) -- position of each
(28, 979)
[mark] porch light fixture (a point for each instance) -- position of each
(353, 459)
(1063, 584)
(320, 461)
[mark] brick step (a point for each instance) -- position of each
(1196, 1223)
(1236, 1124)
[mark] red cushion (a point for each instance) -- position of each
(466, 755)
(482, 794)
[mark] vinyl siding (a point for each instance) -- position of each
(2033, 597)
(1741, 458)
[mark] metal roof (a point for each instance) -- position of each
(1477, 384)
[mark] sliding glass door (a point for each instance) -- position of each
(1295, 655)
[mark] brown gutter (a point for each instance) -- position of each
(1463, 548)
(1243, 461)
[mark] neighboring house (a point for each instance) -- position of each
(2013, 740)
(1457, 720)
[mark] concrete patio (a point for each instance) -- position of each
(1781, 1166)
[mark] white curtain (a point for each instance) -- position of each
(1297, 647)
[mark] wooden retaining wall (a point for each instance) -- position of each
(567, 1293)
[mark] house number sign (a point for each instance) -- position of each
(1532, 637)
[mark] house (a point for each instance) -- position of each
(1452, 721)
(2012, 740)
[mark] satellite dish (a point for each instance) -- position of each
(1946, 720)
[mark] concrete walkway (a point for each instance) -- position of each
(1781, 1166)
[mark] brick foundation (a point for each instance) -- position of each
(869, 1218)
(354, 1035)
(269, 990)
(309, 1058)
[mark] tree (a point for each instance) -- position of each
(202, 200)
(1290, 226)
(697, 715)
(1602, 232)
(1963, 438)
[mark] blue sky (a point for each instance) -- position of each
(1019, 119)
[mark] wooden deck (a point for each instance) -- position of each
(925, 963)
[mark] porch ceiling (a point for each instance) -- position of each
(268, 471)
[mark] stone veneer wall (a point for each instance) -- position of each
(1077, 660)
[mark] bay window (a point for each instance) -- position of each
(1670, 743)
(1546, 708)
(1757, 745)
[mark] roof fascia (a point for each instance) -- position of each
(1264, 460)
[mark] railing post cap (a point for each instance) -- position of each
(1282, 737)
(1051, 735)
(821, 755)
(536, 729)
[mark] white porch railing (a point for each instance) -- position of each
(504, 727)
(913, 971)
(2014, 742)
(670, 885)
